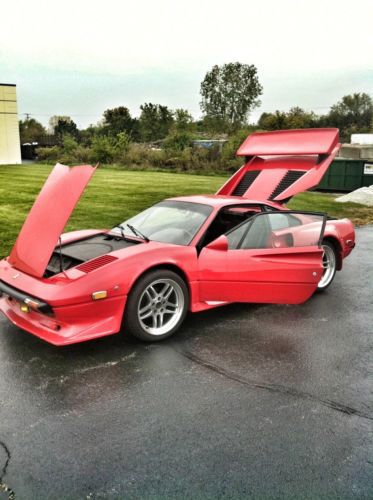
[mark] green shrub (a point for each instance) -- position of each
(178, 141)
(69, 145)
(176, 155)
(234, 142)
(103, 149)
(50, 154)
(229, 158)
(82, 154)
(121, 145)
(70, 153)
(144, 156)
(73, 153)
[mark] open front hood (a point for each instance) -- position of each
(283, 163)
(48, 217)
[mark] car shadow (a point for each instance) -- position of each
(22, 346)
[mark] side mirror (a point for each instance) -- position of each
(220, 243)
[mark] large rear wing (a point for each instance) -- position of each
(282, 163)
(320, 141)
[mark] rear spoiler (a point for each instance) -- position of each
(320, 141)
(282, 164)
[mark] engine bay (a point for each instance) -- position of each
(77, 252)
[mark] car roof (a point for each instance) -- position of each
(219, 201)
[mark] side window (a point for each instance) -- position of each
(227, 219)
(259, 232)
(234, 237)
(279, 222)
(277, 230)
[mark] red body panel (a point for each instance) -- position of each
(272, 171)
(48, 217)
(214, 276)
(285, 163)
(80, 318)
(290, 142)
(282, 276)
(69, 324)
(76, 315)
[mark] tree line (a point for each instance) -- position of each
(229, 93)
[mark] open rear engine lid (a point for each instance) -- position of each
(283, 163)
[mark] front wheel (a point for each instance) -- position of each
(156, 306)
(329, 262)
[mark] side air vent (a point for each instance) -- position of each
(245, 182)
(289, 178)
(93, 264)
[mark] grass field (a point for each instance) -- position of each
(113, 195)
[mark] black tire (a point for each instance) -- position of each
(332, 256)
(144, 328)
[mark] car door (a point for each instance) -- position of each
(275, 257)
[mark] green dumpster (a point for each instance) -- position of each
(345, 175)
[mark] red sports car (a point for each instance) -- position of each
(188, 253)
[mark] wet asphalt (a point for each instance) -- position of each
(246, 401)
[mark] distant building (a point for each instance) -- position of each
(10, 149)
(363, 139)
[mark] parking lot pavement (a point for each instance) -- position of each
(246, 401)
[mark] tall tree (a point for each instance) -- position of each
(53, 121)
(66, 127)
(295, 118)
(273, 121)
(119, 120)
(229, 93)
(353, 113)
(30, 130)
(183, 121)
(155, 121)
(63, 125)
(86, 135)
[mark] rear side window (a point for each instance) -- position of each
(283, 220)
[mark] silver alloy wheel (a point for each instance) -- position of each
(160, 306)
(329, 265)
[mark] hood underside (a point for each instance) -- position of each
(48, 217)
(282, 164)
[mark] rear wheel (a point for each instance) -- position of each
(329, 262)
(157, 305)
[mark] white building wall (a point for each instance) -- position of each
(10, 148)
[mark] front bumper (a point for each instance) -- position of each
(22, 297)
(70, 324)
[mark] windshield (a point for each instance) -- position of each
(168, 221)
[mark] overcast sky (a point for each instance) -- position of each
(81, 57)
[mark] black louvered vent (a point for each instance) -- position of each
(289, 178)
(245, 182)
